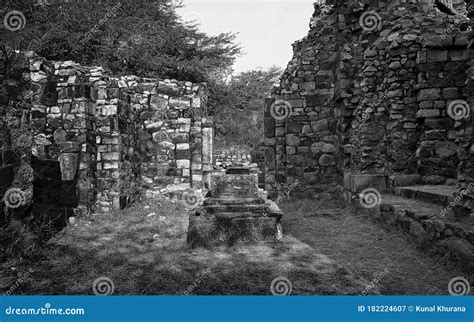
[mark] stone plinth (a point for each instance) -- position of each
(356, 183)
(237, 182)
(235, 213)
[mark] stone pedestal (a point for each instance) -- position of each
(234, 213)
(356, 183)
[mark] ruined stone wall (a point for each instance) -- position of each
(370, 90)
(92, 141)
(177, 138)
(62, 122)
(16, 181)
(225, 157)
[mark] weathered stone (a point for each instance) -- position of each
(327, 160)
(445, 149)
(428, 113)
(431, 94)
(292, 140)
(183, 164)
(319, 126)
(437, 56)
(69, 166)
(323, 147)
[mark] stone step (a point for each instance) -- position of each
(458, 202)
(233, 201)
(439, 194)
(234, 186)
(428, 225)
(240, 169)
(234, 215)
(254, 209)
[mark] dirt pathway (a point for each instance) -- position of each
(387, 258)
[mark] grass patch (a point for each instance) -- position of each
(143, 251)
(368, 249)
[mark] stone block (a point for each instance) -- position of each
(438, 41)
(113, 156)
(405, 180)
(69, 166)
(292, 140)
(238, 186)
(428, 113)
(210, 231)
(110, 165)
(320, 126)
(430, 94)
(356, 183)
(182, 146)
(308, 86)
(183, 164)
(180, 103)
(327, 160)
(450, 93)
(323, 147)
(183, 154)
(207, 146)
(445, 149)
(435, 56)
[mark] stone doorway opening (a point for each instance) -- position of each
(54, 199)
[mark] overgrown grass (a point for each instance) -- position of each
(143, 251)
(369, 249)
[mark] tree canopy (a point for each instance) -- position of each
(238, 106)
(148, 39)
(143, 38)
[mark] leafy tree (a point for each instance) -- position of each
(238, 106)
(147, 38)
(144, 38)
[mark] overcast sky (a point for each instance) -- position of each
(266, 28)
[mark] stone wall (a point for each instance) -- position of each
(16, 182)
(225, 157)
(177, 138)
(92, 141)
(372, 95)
